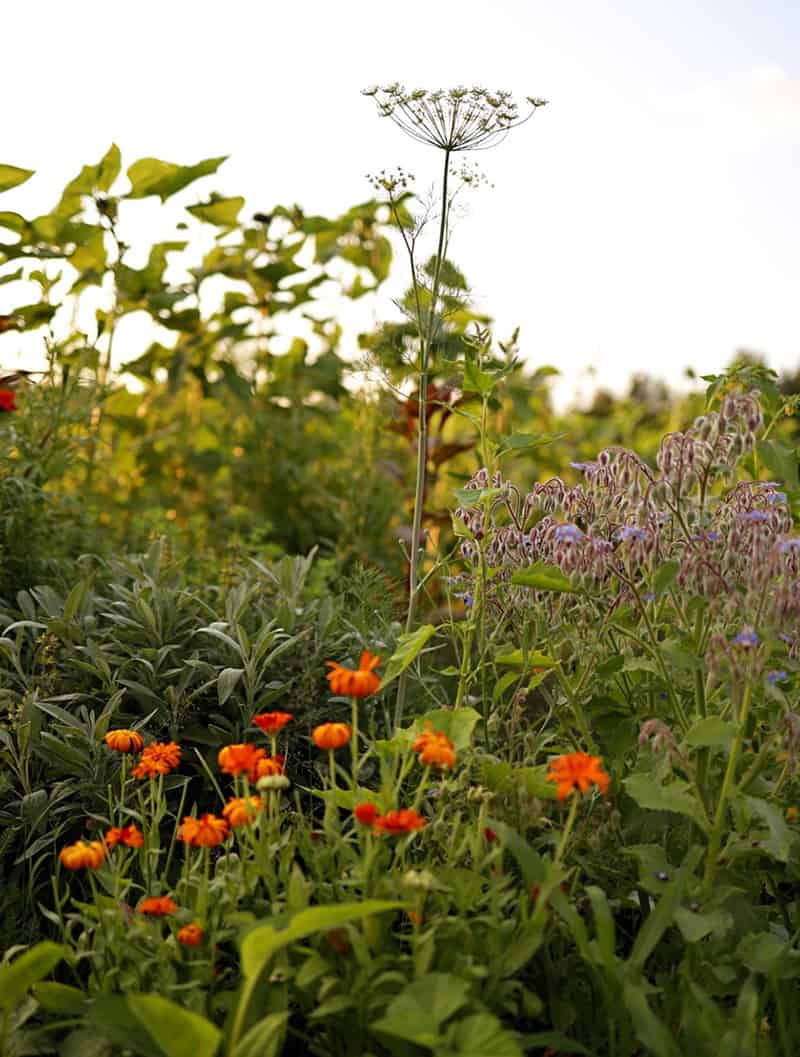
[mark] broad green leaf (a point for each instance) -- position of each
(14, 222)
(673, 797)
(665, 575)
(696, 925)
(479, 1035)
(469, 497)
(265, 1038)
(649, 1029)
(12, 176)
(112, 1015)
(262, 942)
(534, 659)
(418, 1013)
(60, 998)
(544, 577)
(408, 648)
(17, 978)
(91, 255)
(604, 925)
(457, 723)
(151, 176)
(766, 953)
(782, 837)
(528, 859)
(476, 380)
(711, 732)
(222, 212)
(176, 1031)
(554, 1040)
(517, 443)
(662, 917)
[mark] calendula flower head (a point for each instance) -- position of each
(83, 854)
(204, 832)
(365, 814)
(158, 758)
(406, 820)
(191, 935)
(269, 766)
(157, 906)
(331, 735)
(359, 682)
(577, 770)
(242, 811)
(124, 740)
(130, 836)
(240, 759)
(435, 749)
(272, 722)
(456, 120)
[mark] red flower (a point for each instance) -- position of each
(157, 906)
(158, 758)
(490, 834)
(406, 820)
(240, 759)
(366, 814)
(8, 400)
(130, 836)
(272, 722)
(191, 935)
(331, 735)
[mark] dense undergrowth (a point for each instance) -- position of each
(258, 797)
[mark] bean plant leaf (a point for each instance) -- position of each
(711, 732)
(13, 176)
(222, 212)
(418, 1013)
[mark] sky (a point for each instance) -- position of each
(646, 219)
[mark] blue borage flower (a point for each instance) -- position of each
(754, 517)
(787, 546)
(568, 534)
(631, 532)
(585, 467)
(776, 676)
(746, 637)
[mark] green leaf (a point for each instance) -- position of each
(14, 222)
(420, 1010)
(222, 212)
(711, 732)
(226, 682)
(517, 443)
(262, 942)
(781, 837)
(108, 169)
(457, 723)
(665, 576)
(661, 918)
(528, 859)
(544, 577)
(469, 497)
(264, 1039)
(151, 176)
(12, 176)
(176, 1031)
(91, 256)
(480, 1035)
(696, 925)
(408, 647)
(534, 658)
(476, 380)
(554, 1040)
(60, 998)
(649, 1029)
(673, 797)
(764, 952)
(26, 970)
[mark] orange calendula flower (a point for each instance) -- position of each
(160, 757)
(191, 935)
(124, 740)
(83, 855)
(360, 682)
(365, 814)
(406, 820)
(130, 836)
(240, 759)
(272, 722)
(269, 766)
(204, 832)
(242, 811)
(331, 735)
(157, 906)
(577, 770)
(435, 750)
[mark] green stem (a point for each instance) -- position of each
(422, 444)
(715, 839)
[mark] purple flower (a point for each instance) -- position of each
(466, 596)
(776, 676)
(746, 637)
(568, 534)
(754, 517)
(775, 497)
(630, 532)
(787, 546)
(649, 596)
(586, 467)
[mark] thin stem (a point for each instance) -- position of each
(426, 340)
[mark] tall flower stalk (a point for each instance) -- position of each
(461, 119)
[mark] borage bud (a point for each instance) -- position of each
(272, 781)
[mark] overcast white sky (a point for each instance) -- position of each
(646, 219)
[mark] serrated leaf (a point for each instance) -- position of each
(711, 732)
(674, 797)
